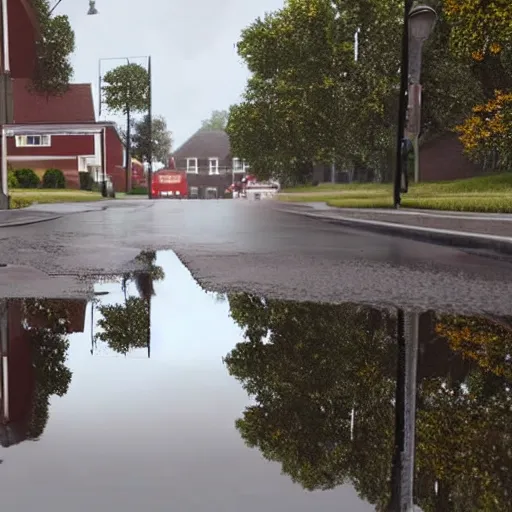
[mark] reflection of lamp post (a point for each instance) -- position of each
(402, 473)
(418, 22)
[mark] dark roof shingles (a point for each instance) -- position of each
(205, 144)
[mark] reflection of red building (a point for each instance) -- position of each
(17, 372)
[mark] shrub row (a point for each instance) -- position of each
(27, 178)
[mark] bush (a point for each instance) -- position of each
(54, 178)
(27, 178)
(12, 181)
(86, 181)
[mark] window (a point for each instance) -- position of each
(192, 165)
(33, 141)
(214, 165)
(237, 165)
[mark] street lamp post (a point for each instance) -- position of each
(417, 26)
(421, 22)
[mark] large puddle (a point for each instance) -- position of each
(159, 396)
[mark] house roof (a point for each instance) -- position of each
(205, 144)
(74, 106)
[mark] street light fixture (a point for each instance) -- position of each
(417, 26)
(91, 12)
(92, 8)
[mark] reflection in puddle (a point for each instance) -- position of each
(402, 407)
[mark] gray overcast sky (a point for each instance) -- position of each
(195, 65)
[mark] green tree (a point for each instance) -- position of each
(53, 69)
(217, 121)
(307, 96)
(161, 140)
(126, 89)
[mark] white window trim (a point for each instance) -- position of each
(213, 165)
(22, 141)
(237, 165)
(192, 169)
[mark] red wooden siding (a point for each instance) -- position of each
(22, 38)
(114, 151)
(62, 145)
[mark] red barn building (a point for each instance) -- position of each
(72, 154)
(74, 141)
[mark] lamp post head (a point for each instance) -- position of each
(92, 8)
(422, 19)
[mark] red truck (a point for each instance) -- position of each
(170, 184)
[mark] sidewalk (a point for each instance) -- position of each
(489, 231)
(51, 211)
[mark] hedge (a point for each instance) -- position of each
(27, 178)
(54, 178)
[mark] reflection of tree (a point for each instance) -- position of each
(465, 428)
(308, 366)
(49, 351)
(127, 326)
(486, 341)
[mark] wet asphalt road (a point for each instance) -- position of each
(250, 246)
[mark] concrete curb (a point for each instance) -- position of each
(464, 239)
(27, 222)
(51, 216)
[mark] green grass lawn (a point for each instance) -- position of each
(22, 197)
(482, 194)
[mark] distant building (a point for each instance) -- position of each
(211, 168)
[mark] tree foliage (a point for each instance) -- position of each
(53, 70)
(308, 101)
(479, 28)
(161, 137)
(126, 89)
(217, 121)
(489, 130)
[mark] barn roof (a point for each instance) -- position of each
(74, 106)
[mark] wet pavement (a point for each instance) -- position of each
(239, 246)
(149, 393)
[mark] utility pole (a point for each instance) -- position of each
(6, 102)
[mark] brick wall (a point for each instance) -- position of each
(443, 159)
